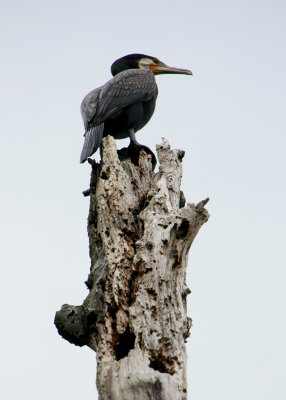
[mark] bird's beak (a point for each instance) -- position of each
(162, 68)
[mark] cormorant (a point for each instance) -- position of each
(124, 104)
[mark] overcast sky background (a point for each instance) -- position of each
(229, 118)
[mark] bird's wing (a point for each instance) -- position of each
(128, 87)
(89, 106)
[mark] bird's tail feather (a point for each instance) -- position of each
(92, 141)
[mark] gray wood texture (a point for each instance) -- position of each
(135, 316)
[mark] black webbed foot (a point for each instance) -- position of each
(133, 152)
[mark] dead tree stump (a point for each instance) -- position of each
(135, 315)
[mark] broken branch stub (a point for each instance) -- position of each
(135, 315)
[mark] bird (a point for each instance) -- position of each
(124, 104)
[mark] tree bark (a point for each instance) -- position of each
(135, 315)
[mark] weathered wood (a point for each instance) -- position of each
(135, 316)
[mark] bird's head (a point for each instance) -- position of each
(142, 61)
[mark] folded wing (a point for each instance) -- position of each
(126, 88)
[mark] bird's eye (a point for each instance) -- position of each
(155, 61)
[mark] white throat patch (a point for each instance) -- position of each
(145, 62)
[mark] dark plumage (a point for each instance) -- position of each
(125, 103)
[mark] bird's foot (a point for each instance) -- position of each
(133, 152)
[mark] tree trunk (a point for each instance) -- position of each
(135, 316)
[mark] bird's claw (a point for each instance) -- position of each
(133, 152)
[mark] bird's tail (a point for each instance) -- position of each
(92, 141)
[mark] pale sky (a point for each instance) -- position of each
(229, 118)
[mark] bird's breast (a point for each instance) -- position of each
(135, 117)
